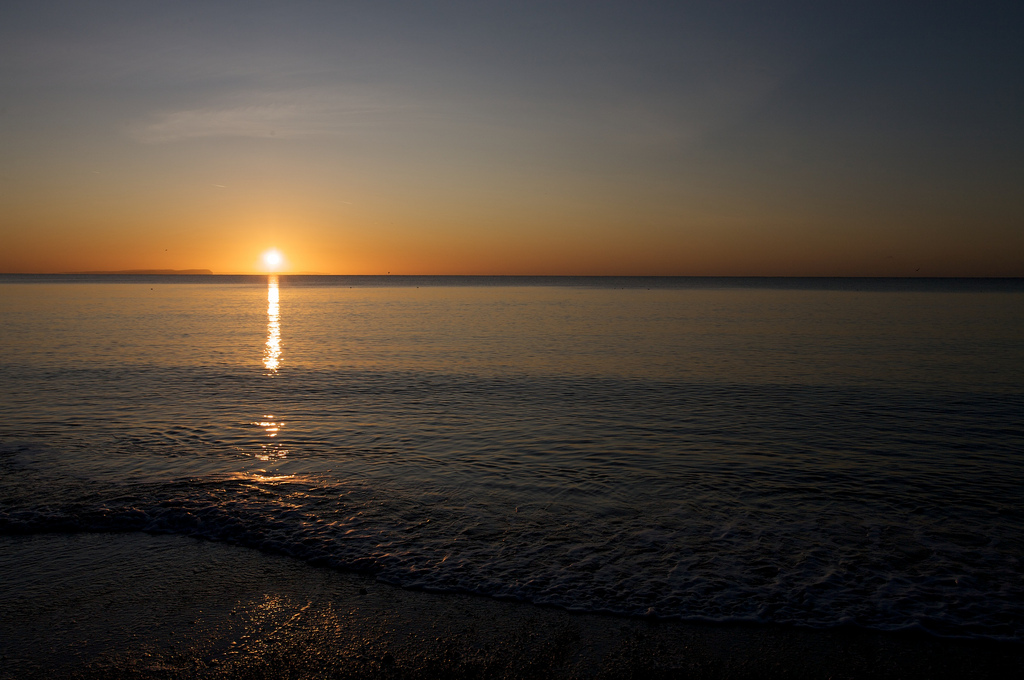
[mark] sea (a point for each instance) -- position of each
(813, 452)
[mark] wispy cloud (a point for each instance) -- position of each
(268, 115)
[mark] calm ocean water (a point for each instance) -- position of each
(816, 452)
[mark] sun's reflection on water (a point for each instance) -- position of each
(272, 350)
(270, 425)
(271, 428)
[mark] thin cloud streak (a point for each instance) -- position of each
(269, 115)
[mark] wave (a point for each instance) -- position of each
(723, 564)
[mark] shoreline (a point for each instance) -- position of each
(137, 605)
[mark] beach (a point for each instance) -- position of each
(135, 605)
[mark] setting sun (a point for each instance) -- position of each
(272, 259)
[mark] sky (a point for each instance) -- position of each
(577, 138)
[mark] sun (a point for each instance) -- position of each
(273, 259)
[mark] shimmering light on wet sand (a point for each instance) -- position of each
(188, 608)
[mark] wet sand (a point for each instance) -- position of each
(142, 606)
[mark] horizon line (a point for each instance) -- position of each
(208, 272)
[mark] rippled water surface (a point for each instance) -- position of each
(815, 454)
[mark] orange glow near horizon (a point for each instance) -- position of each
(415, 246)
(517, 240)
